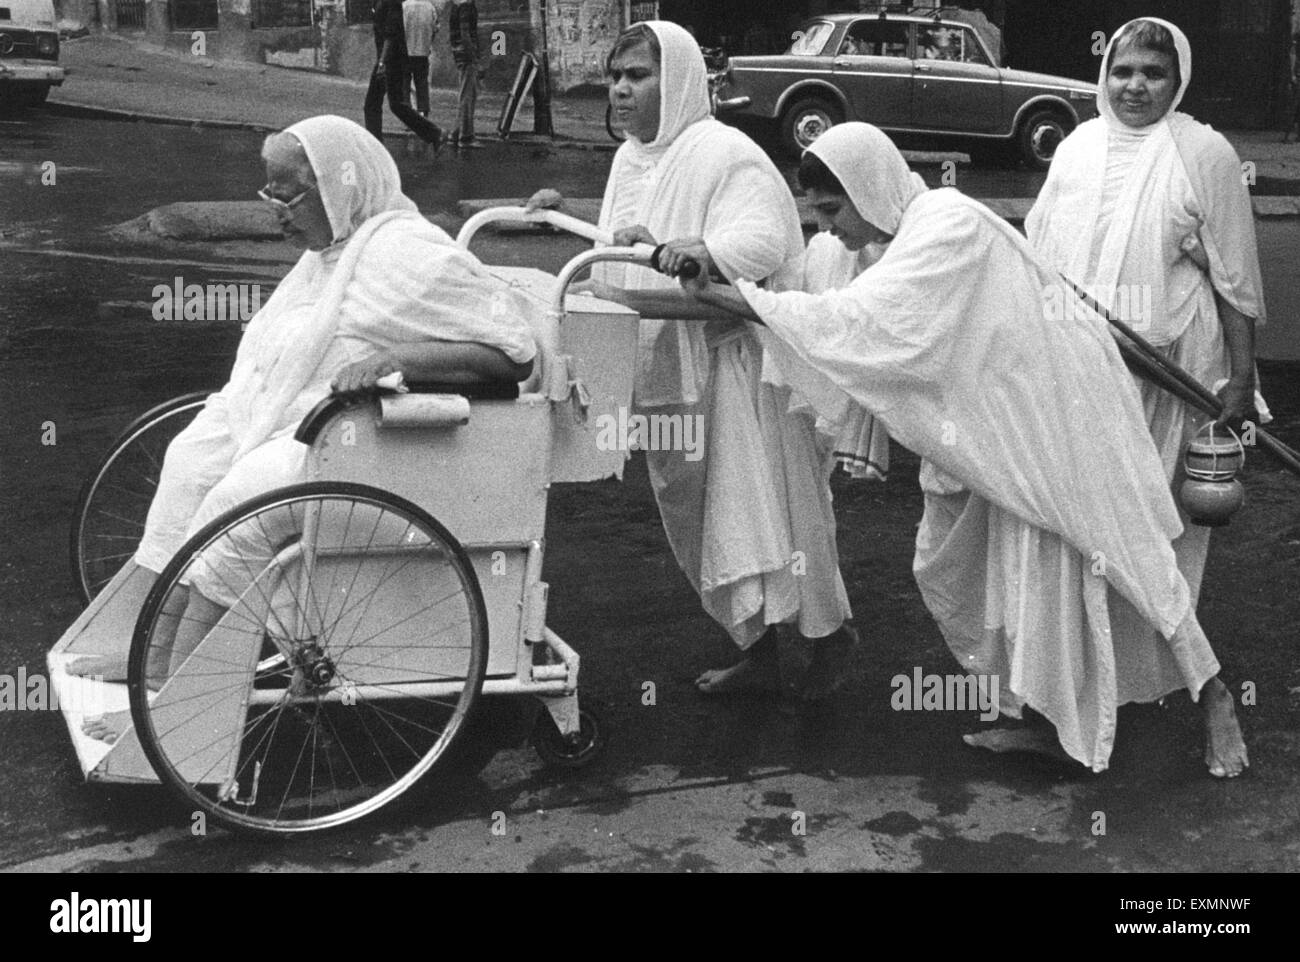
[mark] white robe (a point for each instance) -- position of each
(858, 442)
(1131, 214)
(751, 523)
(1041, 507)
(402, 281)
(1183, 190)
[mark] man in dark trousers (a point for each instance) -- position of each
(390, 76)
(464, 50)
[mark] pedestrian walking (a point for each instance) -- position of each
(390, 77)
(463, 28)
(420, 21)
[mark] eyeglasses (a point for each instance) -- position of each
(265, 194)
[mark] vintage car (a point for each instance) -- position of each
(929, 83)
(29, 52)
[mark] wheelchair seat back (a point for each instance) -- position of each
(588, 364)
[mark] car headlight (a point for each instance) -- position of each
(47, 44)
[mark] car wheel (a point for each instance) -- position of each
(1040, 135)
(806, 120)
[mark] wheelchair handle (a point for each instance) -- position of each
(518, 215)
(640, 255)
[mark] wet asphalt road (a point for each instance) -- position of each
(699, 787)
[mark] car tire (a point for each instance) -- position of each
(1040, 135)
(805, 120)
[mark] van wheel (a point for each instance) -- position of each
(806, 120)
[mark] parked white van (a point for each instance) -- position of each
(29, 52)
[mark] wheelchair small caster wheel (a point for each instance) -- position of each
(568, 751)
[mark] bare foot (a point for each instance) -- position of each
(106, 667)
(107, 727)
(828, 670)
(750, 674)
(1225, 749)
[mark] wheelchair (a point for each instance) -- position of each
(403, 587)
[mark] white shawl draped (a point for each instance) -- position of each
(698, 178)
(945, 340)
(390, 277)
(759, 498)
(1185, 186)
(1184, 192)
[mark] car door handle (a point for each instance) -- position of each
(839, 62)
(922, 68)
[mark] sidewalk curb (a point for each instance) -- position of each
(68, 108)
(65, 108)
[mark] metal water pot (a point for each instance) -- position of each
(1211, 495)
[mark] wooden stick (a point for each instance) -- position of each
(1164, 373)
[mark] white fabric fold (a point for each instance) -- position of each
(946, 341)
(857, 441)
(749, 521)
(389, 277)
(876, 179)
(697, 178)
(1043, 539)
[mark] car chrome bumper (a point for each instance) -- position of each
(30, 71)
(731, 103)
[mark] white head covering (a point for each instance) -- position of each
(1181, 45)
(683, 83)
(874, 174)
(356, 175)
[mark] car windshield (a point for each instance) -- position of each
(810, 38)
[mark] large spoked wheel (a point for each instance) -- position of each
(307, 657)
(111, 509)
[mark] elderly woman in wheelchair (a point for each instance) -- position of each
(378, 290)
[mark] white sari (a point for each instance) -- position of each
(1153, 221)
(750, 524)
(389, 278)
(1037, 526)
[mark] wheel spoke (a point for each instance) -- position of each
(349, 561)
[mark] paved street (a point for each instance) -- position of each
(687, 784)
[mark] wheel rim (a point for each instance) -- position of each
(110, 518)
(379, 626)
(809, 125)
(1045, 138)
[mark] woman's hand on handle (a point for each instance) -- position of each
(361, 376)
(544, 199)
(630, 236)
(676, 254)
